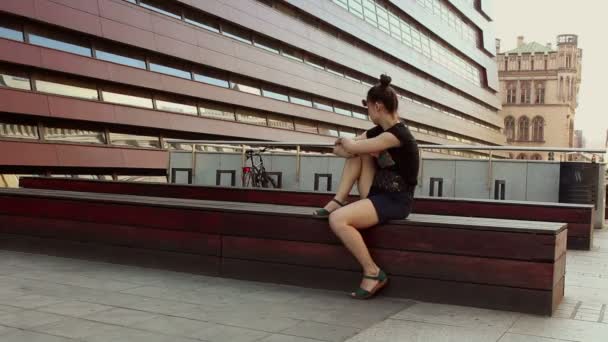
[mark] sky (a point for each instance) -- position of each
(542, 21)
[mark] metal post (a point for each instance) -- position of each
(193, 163)
(490, 171)
(298, 164)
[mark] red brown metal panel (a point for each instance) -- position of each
(122, 12)
(137, 117)
(67, 108)
(173, 29)
(127, 34)
(28, 154)
(69, 63)
(15, 101)
(69, 17)
(133, 76)
(131, 236)
(145, 159)
(16, 52)
(431, 290)
(523, 274)
(90, 6)
(21, 7)
(176, 48)
(74, 155)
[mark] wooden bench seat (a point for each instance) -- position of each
(578, 216)
(492, 263)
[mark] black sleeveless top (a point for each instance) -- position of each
(397, 167)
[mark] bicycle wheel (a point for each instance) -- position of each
(268, 182)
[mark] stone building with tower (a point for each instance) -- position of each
(539, 87)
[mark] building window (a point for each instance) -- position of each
(511, 93)
(251, 117)
(525, 92)
(325, 129)
(343, 111)
(15, 80)
(538, 127)
(119, 58)
(130, 100)
(170, 106)
(510, 128)
(134, 140)
(306, 126)
(522, 156)
(244, 85)
(170, 70)
(536, 156)
(202, 21)
(216, 111)
(61, 87)
(216, 78)
(236, 33)
(301, 99)
(540, 93)
(323, 105)
(11, 32)
(18, 131)
(266, 44)
(74, 135)
(524, 129)
(277, 121)
(161, 7)
(275, 93)
(48, 40)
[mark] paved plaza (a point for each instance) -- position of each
(45, 298)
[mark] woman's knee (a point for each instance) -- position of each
(337, 220)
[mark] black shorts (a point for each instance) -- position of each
(391, 205)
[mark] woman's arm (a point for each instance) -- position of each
(365, 146)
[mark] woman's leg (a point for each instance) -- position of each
(358, 169)
(345, 223)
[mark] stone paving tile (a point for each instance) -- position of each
(566, 329)
(322, 331)
(458, 316)
(74, 308)
(74, 328)
(27, 319)
(120, 316)
(6, 330)
(286, 338)
(392, 330)
(200, 330)
(30, 336)
(31, 301)
(508, 337)
(4, 309)
(122, 334)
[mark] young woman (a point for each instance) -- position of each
(384, 162)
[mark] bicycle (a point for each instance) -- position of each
(256, 175)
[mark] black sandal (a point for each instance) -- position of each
(324, 212)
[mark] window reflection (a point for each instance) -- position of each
(282, 122)
(323, 105)
(18, 131)
(236, 33)
(267, 44)
(59, 45)
(328, 130)
(217, 111)
(134, 140)
(301, 99)
(74, 135)
(250, 117)
(245, 86)
(163, 69)
(66, 90)
(306, 126)
(146, 179)
(176, 107)
(213, 78)
(276, 94)
(120, 59)
(10, 33)
(130, 100)
(17, 82)
(159, 7)
(203, 22)
(343, 111)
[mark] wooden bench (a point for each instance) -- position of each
(578, 216)
(491, 263)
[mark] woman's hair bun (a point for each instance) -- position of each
(385, 80)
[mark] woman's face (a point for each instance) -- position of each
(373, 110)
